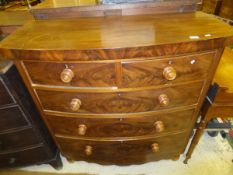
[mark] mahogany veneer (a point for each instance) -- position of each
(120, 90)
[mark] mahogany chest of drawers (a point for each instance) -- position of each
(120, 90)
(24, 140)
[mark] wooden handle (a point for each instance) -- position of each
(82, 129)
(66, 75)
(163, 100)
(75, 104)
(159, 126)
(88, 150)
(155, 147)
(169, 73)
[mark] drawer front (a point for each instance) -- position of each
(12, 118)
(122, 126)
(17, 140)
(122, 102)
(161, 71)
(123, 152)
(72, 74)
(26, 157)
(5, 97)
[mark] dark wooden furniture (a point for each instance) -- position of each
(120, 90)
(24, 140)
(219, 101)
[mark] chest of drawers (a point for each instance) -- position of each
(24, 140)
(119, 95)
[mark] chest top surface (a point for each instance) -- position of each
(118, 32)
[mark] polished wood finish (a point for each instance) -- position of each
(161, 123)
(10, 21)
(61, 9)
(24, 139)
(120, 102)
(45, 40)
(138, 84)
(173, 69)
(83, 74)
(218, 102)
(122, 152)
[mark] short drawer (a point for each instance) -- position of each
(72, 74)
(11, 118)
(121, 102)
(18, 139)
(5, 97)
(166, 70)
(29, 156)
(123, 152)
(122, 125)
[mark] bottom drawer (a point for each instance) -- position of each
(123, 152)
(26, 157)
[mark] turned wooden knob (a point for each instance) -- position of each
(155, 147)
(82, 129)
(163, 100)
(66, 75)
(159, 126)
(75, 104)
(88, 150)
(169, 73)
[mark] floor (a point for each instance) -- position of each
(213, 156)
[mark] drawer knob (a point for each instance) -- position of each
(75, 104)
(82, 129)
(66, 75)
(159, 126)
(169, 73)
(163, 100)
(155, 147)
(88, 150)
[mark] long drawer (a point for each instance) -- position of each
(132, 73)
(18, 139)
(120, 102)
(121, 125)
(123, 152)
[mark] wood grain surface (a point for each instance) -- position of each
(122, 126)
(101, 39)
(122, 102)
(124, 152)
(85, 74)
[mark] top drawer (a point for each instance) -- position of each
(132, 73)
(5, 97)
(72, 74)
(163, 71)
